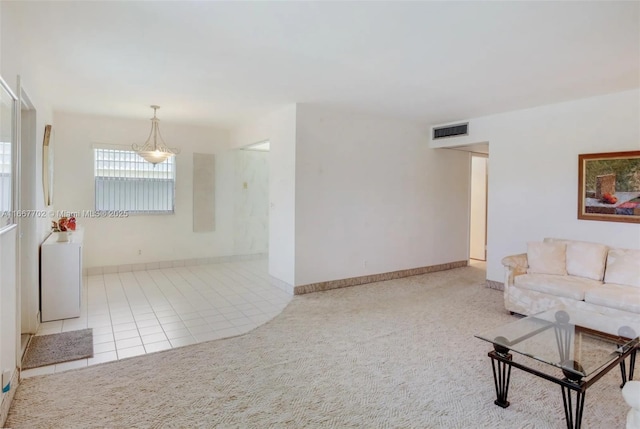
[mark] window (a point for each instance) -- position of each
(126, 182)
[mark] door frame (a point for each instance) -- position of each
(27, 294)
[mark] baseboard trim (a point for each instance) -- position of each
(281, 285)
(492, 284)
(7, 398)
(355, 281)
(125, 268)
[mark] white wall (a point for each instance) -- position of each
(116, 241)
(34, 231)
(534, 171)
(279, 127)
(372, 197)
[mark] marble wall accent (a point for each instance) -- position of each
(355, 281)
(251, 202)
(492, 284)
(204, 187)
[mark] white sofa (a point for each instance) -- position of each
(631, 394)
(575, 274)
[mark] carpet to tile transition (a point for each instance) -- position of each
(46, 350)
(394, 354)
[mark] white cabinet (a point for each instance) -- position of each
(61, 277)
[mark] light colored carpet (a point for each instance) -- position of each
(395, 354)
(46, 350)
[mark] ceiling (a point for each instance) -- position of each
(222, 63)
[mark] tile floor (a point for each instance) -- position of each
(142, 312)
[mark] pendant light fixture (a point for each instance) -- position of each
(154, 149)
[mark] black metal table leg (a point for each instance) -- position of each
(501, 377)
(564, 335)
(628, 332)
(573, 419)
(623, 368)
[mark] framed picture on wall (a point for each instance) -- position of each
(609, 186)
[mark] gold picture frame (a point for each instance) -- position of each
(609, 186)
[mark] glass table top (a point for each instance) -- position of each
(578, 341)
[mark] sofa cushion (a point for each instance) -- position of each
(623, 267)
(611, 295)
(546, 258)
(584, 259)
(563, 286)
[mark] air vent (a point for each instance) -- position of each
(451, 131)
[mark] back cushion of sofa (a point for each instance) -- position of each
(584, 259)
(623, 267)
(547, 258)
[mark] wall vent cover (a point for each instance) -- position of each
(451, 131)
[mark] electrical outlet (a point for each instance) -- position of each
(139, 252)
(365, 263)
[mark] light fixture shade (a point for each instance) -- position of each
(155, 156)
(154, 149)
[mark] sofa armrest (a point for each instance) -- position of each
(518, 262)
(514, 265)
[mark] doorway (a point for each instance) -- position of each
(478, 198)
(478, 207)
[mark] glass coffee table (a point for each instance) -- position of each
(576, 348)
